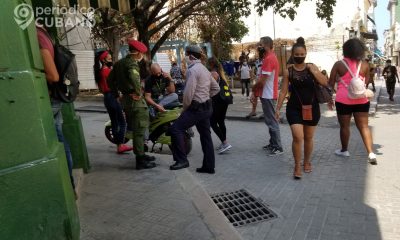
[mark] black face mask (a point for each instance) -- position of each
(299, 60)
(109, 64)
(261, 51)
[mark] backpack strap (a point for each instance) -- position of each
(349, 70)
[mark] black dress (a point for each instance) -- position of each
(302, 91)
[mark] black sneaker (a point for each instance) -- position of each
(275, 151)
(268, 147)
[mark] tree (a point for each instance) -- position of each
(226, 28)
(111, 25)
(166, 16)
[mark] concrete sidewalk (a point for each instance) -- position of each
(341, 199)
(118, 202)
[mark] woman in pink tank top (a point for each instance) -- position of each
(354, 54)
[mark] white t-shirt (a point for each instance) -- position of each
(245, 72)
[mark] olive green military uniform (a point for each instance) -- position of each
(125, 78)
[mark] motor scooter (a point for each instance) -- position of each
(158, 128)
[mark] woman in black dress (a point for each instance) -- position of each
(302, 109)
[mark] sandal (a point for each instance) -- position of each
(251, 115)
(307, 167)
(297, 173)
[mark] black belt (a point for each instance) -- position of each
(196, 106)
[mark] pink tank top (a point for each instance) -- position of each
(341, 93)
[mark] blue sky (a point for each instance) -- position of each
(382, 20)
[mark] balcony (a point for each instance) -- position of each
(370, 35)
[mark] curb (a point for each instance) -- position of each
(78, 176)
(216, 222)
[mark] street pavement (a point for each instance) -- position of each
(343, 198)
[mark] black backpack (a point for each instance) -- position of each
(67, 88)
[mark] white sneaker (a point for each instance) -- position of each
(220, 146)
(372, 159)
(224, 148)
(342, 154)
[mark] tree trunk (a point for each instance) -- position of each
(145, 64)
(116, 47)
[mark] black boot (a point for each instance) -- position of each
(179, 165)
(149, 158)
(142, 163)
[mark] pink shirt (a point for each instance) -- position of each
(44, 41)
(270, 67)
(341, 93)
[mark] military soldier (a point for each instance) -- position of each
(125, 79)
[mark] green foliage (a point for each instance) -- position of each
(287, 8)
(110, 24)
(227, 26)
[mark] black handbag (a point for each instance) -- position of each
(225, 92)
(322, 93)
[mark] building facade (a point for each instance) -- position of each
(324, 44)
(392, 35)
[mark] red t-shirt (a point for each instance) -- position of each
(270, 67)
(104, 72)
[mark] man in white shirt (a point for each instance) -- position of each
(197, 110)
(245, 78)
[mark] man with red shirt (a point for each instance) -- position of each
(267, 89)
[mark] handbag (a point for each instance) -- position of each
(225, 92)
(306, 110)
(322, 93)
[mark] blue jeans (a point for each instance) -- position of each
(268, 106)
(168, 99)
(117, 117)
(189, 118)
(58, 122)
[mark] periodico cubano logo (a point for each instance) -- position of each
(23, 15)
(55, 16)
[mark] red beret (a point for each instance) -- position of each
(139, 46)
(103, 55)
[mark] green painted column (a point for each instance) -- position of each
(73, 132)
(36, 197)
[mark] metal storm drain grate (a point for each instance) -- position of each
(241, 208)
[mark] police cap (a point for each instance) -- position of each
(193, 49)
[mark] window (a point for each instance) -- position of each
(132, 4)
(114, 4)
(94, 3)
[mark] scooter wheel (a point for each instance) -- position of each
(109, 135)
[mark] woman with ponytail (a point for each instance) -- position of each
(220, 104)
(302, 109)
(102, 67)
